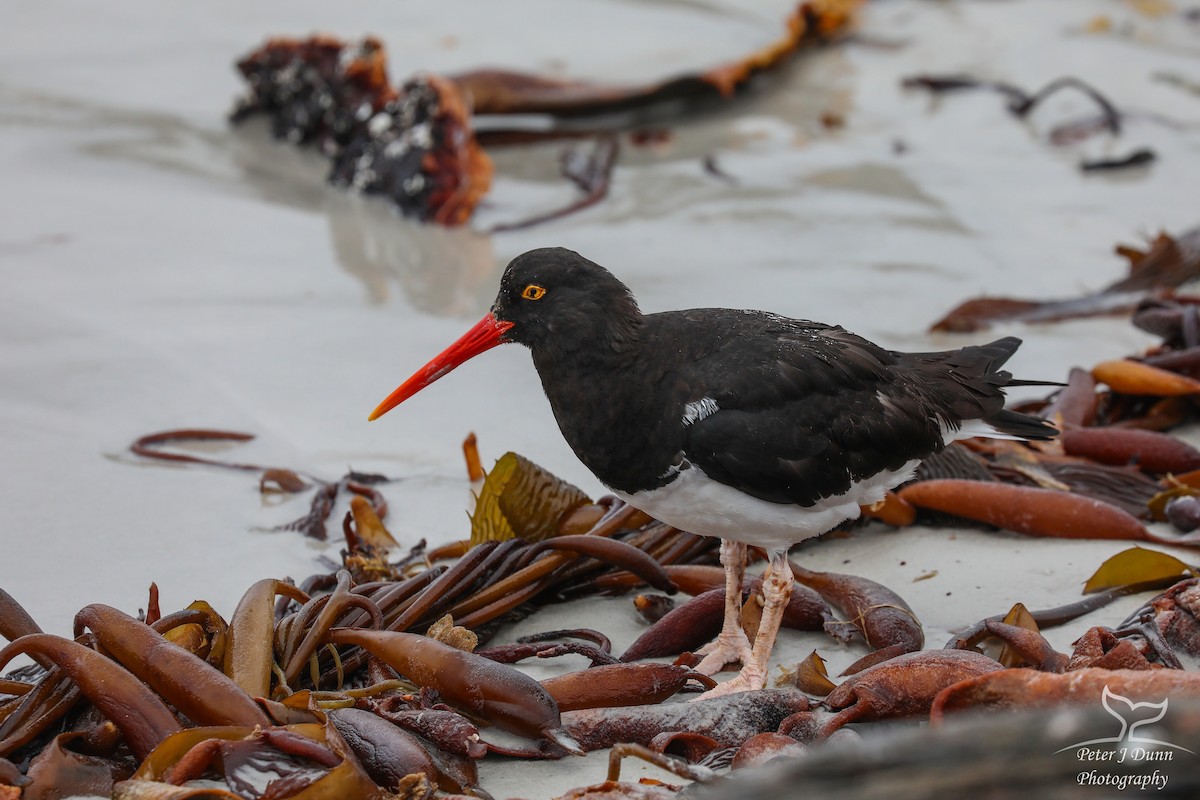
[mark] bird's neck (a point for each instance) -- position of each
(605, 398)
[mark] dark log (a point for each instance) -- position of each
(997, 756)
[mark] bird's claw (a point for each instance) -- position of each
(749, 679)
(730, 647)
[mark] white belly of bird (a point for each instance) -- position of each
(695, 502)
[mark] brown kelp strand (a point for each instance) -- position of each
(1151, 451)
(1138, 378)
(149, 446)
(621, 685)
(142, 717)
(613, 551)
(1074, 405)
(204, 694)
(1045, 618)
(37, 711)
(1029, 645)
(686, 627)
(392, 598)
(523, 584)
(447, 729)
(1026, 688)
(519, 651)
(249, 655)
(439, 591)
(387, 753)
(1167, 264)
(332, 607)
(1026, 509)
(881, 616)
(1136, 158)
(312, 524)
(596, 647)
(495, 692)
(586, 634)
(904, 686)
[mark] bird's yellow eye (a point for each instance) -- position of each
(533, 292)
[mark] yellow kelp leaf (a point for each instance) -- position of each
(519, 498)
(1136, 565)
(1019, 616)
(371, 531)
(810, 676)
(215, 630)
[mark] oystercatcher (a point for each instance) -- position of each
(743, 425)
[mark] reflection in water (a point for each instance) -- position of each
(442, 271)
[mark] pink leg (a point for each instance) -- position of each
(731, 645)
(777, 591)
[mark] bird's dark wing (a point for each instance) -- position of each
(828, 409)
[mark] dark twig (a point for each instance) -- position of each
(1137, 158)
(1112, 117)
(1021, 103)
(590, 171)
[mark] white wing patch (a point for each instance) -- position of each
(699, 409)
(976, 427)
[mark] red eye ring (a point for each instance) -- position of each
(533, 292)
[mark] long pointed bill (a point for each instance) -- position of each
(486, 334)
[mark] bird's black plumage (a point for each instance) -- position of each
(784, 410)
(743, 425)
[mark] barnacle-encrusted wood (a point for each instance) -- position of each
(420, 152)
(414, 145)
(318, 90)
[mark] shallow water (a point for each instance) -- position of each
(161, 270)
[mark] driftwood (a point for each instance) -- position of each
(997, 756)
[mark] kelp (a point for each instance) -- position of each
(502, 92)
(519, 498)
(417, 144)
(1138, 567)
(1168, 263)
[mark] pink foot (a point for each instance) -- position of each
(749, 679)
(730, 647)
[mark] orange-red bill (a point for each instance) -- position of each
(486, 334)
